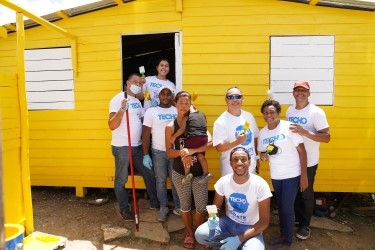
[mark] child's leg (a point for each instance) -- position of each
(202, 160)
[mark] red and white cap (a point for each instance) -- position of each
(303, 84)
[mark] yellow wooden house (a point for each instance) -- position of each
(256, 45)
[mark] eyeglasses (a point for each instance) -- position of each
(234, 97)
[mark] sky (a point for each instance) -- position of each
(38, 7)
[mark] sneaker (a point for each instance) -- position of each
(176, 211)
(187, 178)
(128, 216)
(163, 213)
(303, 233)
(206, 179)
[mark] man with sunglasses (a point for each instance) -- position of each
(311, 123)
(235, 127)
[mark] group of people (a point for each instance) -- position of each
(169, 138)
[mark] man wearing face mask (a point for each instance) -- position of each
(120, 147)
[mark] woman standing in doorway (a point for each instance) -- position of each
(196, 186)
(153, 84)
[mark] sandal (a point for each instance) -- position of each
(189, 242)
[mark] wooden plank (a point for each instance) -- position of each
(47, 54)
(52, 75)
(49, 64)
(304, 62)
(46, 86)
(50, 96)
(71, 124)
(51, 105)
(308, 74)
(315, 86)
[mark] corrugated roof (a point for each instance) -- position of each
(347, 4)
(71, 12)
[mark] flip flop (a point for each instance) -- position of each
(189, 242)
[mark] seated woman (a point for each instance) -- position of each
(196, 186)
(247, 214)
(288, 165)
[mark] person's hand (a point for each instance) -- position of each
(154, 102)
(297, 129)
(147, 162)
(184, 152)
(303, 183)
(213, 223)
(124, 105)
(241, 138)
(263, 156)
(230, 243)
(143, 79)
(187, 161)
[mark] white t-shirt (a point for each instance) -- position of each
(226, 129)
(153, 85)
(242, 199)
(311, 118)
(120, 134)
(286, 163)
(157, 118)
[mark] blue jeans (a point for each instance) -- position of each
(163, 168)
(285, 193)
(121, 176)
(226, 228)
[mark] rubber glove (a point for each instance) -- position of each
(230, 243)
(147, 162)
(154, 102)
(213, 223)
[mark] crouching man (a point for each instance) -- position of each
(247, 199)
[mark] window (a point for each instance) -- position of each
(302, 58)
(49, 78)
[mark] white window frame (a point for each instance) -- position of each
(302, 57)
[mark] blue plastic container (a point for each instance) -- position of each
(14, 234)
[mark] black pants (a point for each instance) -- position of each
(305, 202)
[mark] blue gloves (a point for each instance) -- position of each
(147, 162)
(230, 243)
(213, 223)
(154, 102)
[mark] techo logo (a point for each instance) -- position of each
(238, 202)
(135, 105)
(239, 130)
(274, 138)
(156, 85)
(297, 120)
(167, 117)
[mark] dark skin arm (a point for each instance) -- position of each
(115, 118)
(319, 136)
(180, 131)
(303, 162)
(146, 135)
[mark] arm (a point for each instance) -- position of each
(257, 160)
(115, 118)
(190, 151)
(171, 153)
(263, 222)
(322, 135)
(146, 132)
(303, 161)
(180, 131)
(241, 138)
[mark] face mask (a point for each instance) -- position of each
(135, 89)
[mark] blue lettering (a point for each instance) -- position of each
(274, 138)
(167, 116)
(297, 120)
(156, 85)
(135, 105)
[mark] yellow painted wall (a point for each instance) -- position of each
(224, 42)
(10, 123)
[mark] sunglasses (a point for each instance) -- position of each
(234, 97)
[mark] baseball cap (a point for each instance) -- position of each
(303, 84)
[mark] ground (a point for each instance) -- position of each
(57, 211)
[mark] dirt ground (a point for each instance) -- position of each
(57, 211)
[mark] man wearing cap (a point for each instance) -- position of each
(235, 127)
(311, 123)
(120, 144)
(155, 121)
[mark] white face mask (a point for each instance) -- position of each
(135, 89)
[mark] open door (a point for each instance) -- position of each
(146, 49)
